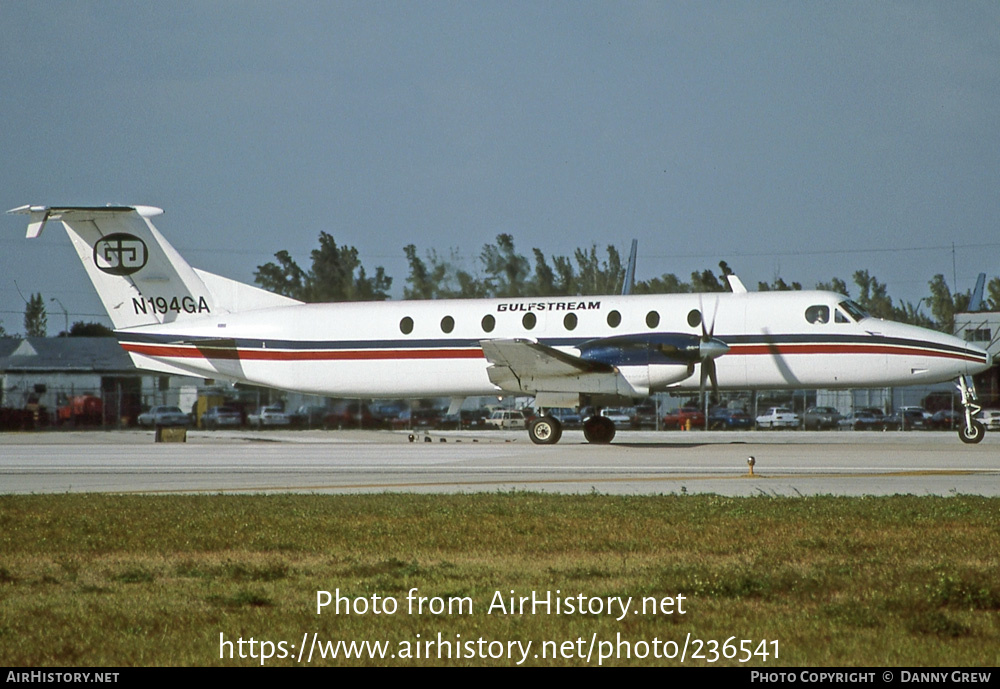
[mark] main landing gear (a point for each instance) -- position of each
(547, 430)
(599, 430)
(972, 431)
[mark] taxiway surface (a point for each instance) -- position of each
(787, 463)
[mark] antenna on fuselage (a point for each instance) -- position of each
(629, 281)
(735, 284)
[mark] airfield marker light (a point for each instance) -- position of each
(750, 462)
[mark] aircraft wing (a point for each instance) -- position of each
(526, 366)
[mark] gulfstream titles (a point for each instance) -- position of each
(537, 603)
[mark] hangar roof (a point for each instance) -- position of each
(69, 354)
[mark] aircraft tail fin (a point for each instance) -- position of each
(139, 276)
(976, 302)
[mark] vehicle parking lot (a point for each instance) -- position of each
(412, 416)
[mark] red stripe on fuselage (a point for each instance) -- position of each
(192, 352)
(756, 350)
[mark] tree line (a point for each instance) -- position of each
(336, 274)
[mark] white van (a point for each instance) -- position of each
(503, 418)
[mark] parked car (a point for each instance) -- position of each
(947, 420)
(505, 418)
(729, 419)
(567, 416)
(164, 415)
(778, 417)
(989, 418)
(414, 419)
(645, 416)
(308, 416)
(906, 419)
(914, 411)
(465, 420)
(864, 420)
(679, 418)
(272, 415)
(620, 417)
(821, 418)
(400, 421)
(352, 415)
(219, 417)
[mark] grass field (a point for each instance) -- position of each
(133, 580)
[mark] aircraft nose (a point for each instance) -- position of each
(971, 358)
(985, 358)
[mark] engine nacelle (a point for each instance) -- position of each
(656, 377)
(653, 361)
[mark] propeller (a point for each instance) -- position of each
(709, 349)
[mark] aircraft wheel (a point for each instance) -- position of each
(545, 430)
(972, 435)
(599, 430)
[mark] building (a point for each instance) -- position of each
(42, 374)
(45, 374)
(983, 328)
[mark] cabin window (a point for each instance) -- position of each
(694, 318)
(614, 319)
(489, 322)
(569, 322)
(447, 324)
(406, 325)
(529, 321)
(652, 319)
(839, 317)
(818, 314)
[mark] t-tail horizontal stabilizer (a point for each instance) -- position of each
(139, 276)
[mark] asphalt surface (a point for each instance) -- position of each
(787, 463)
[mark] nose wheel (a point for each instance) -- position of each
(972, 433)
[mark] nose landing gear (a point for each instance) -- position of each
(972, 431)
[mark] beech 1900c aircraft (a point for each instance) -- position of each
(563, 351)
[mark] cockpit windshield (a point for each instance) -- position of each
(853, 310)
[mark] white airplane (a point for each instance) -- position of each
(563, 351)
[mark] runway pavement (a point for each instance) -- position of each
(787, 463)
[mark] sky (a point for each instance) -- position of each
(793, 139)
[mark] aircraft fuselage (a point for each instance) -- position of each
(433, 348)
